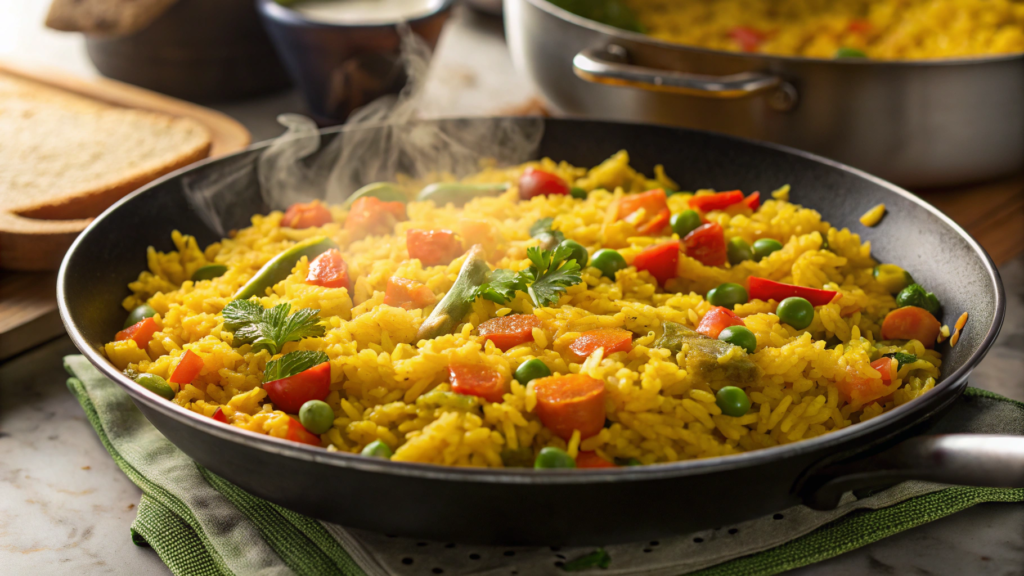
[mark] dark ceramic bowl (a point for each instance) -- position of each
(340, 67)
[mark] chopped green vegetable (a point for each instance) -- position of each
(531, 370)
(579, 253)
(550, 273)
(519, 458)
(280, 266)
(738, 250)
(316, 416)
(542, 227)
(140, 313)
(209, 272)
(916, 295)
(764, 247)
(459, 299)
(578, 193)
(597, 559)
(293, 363)
(901, 358)
(551, 457)
(156, 385)
(892, 277)
(250, 323)
(704, 355)
(385, 191)
(850, 53)
(457, 193)
(377, 449)
(449, 400)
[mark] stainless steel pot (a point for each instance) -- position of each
(917, 123)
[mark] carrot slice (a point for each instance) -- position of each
(407, 293)
(611, 339)
(856, 388)
(371, 216)
(716, 320)
(306, 215)
(329, 270)
(142, 332)
(719, 201)
(187, 369)
(592, 460)
(911, 323)
(297, 433)
(509, 331)
(661, 261)
(571, 402)
(433, 247)
(706, 244)
(477, 380)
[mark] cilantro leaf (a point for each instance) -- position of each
(239, 313)
(250, 323)
(553, 273)
(544, 226)
(902, 358)
(501, 286)
(293, 363)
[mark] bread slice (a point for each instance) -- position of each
(65, 158)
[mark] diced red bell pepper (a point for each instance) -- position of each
(753, 201)
(886, 367)
(911, 323)
(859, 26)
(509, 331)
(570, 402)
(661, 261)
(765, 289)
(187, 369)
(329, 270)
(306, 215)
(654, 226)
(719, 201)
(142, 332)
(536, 182)
(716, 320)
(706, 244)
(289, 394)
(298, 433)
(219, 416)
(477, 380)
(611, 339)
(654, 203)
(407, 294)
(433, 247)
(592, 460)
(748, 38)
(371, 216)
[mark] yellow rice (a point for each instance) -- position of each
(381, 377)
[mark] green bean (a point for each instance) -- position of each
(456, 303)
(444, 193)
(156, 385)
(385, 191)
(140, 313)
(280, 266)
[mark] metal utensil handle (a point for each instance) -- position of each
(608, 65)
(984, 460)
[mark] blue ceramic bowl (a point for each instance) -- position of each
(340, 67)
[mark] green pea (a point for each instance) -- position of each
(316, 416)
(209, 272)
(727, 295)
(531, 370)
(738, 250)
(916, 295)
(156, 385)
(766, 246)
(551, 457)
(608, 261)
(850, 53)
(739, 336)
(377, 449)
(796, 311)
(139, 314)
(685, 222)
(579, 253)
(578, 193)
(733, 401)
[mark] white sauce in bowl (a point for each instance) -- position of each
(365, 11)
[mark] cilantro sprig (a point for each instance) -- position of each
(293, 363)
(546, 226)
(251, 323)
(550, 273)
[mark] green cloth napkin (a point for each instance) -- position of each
(200, 524)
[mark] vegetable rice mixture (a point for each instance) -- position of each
(544, 316)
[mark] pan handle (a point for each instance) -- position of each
(983, 460)
(610, 65)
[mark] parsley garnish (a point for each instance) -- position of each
(270, 329)
(597, 559)
(543, 226)
(550, 273)
(902, 358)
(293, 363)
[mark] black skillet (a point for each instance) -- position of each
(594, 506)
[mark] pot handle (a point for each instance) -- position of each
(609, 65)
(983, 460)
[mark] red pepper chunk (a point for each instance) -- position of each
(477, 380)
(654, 203)
(706, 244)
(306, 215)
(536, 182)
(911, 323)
(433, 247)
(509, 331)
(571, 402)
(753, 201)
(329, 270)
(748, 38)
(142, 332)
(719, 201)
(765, 289)
(219, 416)
(187, 369)
(371, 216)
(592, 460)
(859, 26)
(716, 320)
(298, 433)
(661, 261)
(408, 294)
(611, 339)
(289, 394)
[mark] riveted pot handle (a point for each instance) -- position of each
(983, 460)
(609, 65)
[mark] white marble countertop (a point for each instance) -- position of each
(65, 507)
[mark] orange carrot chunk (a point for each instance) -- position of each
(592, 460)
(863, 391)
(716, 320)
(509, 331)
(142, 332)
(408, 294)
(329, 270)
(911, 323)
(187, 369)
(571, 402)
(297, 433)
(433, 247)
(655, 206)
(477, 380)
(886, 368)
(306, 215)
(371, 216)
(611, 339)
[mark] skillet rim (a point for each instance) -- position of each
(904, 414)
